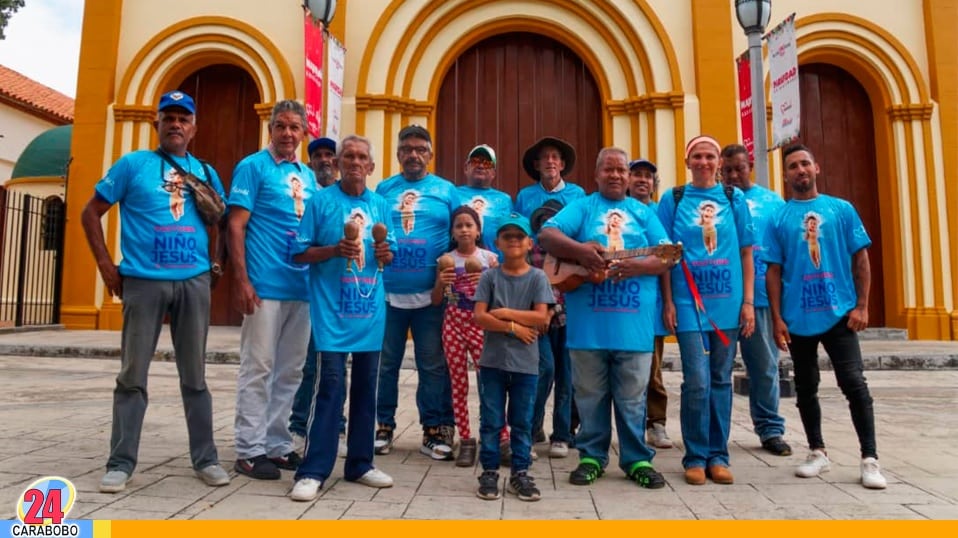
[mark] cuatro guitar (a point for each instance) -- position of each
(567, 275)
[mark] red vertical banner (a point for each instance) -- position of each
(745, 103)
(313, 40)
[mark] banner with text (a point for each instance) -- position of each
(783, 72)
(745, 103)
(334, 96)
(313, 40)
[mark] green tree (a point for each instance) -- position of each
(7, 9)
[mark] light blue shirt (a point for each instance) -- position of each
(818, 287)
(492, 206)
(712, 232)
(161, 234)
(762, 205)
(276, 195)
(532, 197)
(611, 315)
(419, 217)
(347, 309)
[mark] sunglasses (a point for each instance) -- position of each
(512, 236)
(481, 163)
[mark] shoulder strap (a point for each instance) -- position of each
(175, 165)
(209, 176)
(677, 194)
(729, 193)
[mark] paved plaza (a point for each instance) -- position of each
(55, 415)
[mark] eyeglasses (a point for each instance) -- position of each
(173, 186)
(418, 150)
(481, 163)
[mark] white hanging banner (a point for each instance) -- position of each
(334, 96)
(783, 72)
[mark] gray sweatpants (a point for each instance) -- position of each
(145, 303)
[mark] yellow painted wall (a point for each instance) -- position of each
(665, 71)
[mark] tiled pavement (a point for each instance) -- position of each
(55, 419)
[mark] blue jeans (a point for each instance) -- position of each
(304, 394)
(322, 443)
(434, 393)
(605, 379)
(706, 411)
(495, 386)
(760, 356)
(554, 365)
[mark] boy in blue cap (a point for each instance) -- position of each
(509, 364)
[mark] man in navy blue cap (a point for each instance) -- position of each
(322, 153)
(166, 270)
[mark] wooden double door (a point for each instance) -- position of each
(227, 129)
(838, 126)
(510, 90)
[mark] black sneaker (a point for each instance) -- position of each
(647, 477)
(258, 467)
(434, 446)
(776, 445)
(585, 474)
(384, 440)
(488, 486)
(289, 462)
(522, 485)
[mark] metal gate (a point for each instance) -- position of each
(31, 242)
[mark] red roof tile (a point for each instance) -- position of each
(35, 97)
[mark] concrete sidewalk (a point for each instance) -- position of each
(55, 416)
(223, 347)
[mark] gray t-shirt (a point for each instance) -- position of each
(523, 292)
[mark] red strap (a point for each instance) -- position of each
(699, 305)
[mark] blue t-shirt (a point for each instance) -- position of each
(419, 216)
(611, 315)
(276, 197)
(762, 205)
(814, 240)
(712, 232)
(162, 236)
(492, 206)
(532, 197)
(658, 326)
(347, 309)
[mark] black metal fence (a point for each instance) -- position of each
(31, 242)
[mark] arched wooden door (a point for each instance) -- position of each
(508, 91)
(837, 125)
(227, 129)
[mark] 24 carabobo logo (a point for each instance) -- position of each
(43, 508)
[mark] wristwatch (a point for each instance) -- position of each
(216, 269)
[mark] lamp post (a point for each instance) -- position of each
(753, 16)
(323, 10)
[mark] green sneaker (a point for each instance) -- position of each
(586, 473)
(645, 476)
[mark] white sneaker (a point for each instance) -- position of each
(213, 475)
(343, 448)
(305, 489)
(375, 478)
(815, 464)
(558, 449)
(658, 437)
(114, 481)
(871, 474)
(533, 455)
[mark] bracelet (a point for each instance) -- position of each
(750, 303)
(512, 328)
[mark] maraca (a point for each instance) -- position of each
(350, 232)
(445, 262)
(473, 265)
(379, 236)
